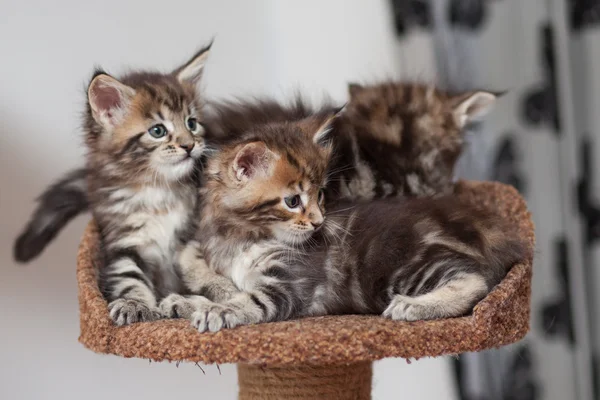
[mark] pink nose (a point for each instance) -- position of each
(188, 147)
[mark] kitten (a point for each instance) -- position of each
(400, 139)
(144, 136)
(393, 139)
(263, 226)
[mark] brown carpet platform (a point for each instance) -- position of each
(323, 357)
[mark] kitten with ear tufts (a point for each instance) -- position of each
(144, 136)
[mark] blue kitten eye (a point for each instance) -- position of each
(158, 131)
(292, 201)
(193, 125)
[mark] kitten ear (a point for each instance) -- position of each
(324, 125)
(191, 71)
(252, 160)
(108, 99)
(354, 89)
(471, 105)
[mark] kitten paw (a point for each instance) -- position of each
(213, 317)
(176, 306)
(402, 308)
(129, 311)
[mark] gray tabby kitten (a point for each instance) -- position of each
(263, 226)
(144, 138)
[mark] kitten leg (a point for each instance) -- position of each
(200, 279)
(455, 298)
(130, 291)
(268, 298)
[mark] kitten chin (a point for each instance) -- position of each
(173, 172)
(292, 237)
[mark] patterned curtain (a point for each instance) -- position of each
(542, 139)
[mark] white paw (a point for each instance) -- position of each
(213, 317)
(402, 309)
(177, 306)
(129, 311)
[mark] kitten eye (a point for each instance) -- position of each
(321, 195)
(158, 131)
(193, 125)
(292, 201)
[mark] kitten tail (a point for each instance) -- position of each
(58, 205)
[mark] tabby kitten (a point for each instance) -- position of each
(262, 198)
(400, 139)
(263, 226)
(144, 136)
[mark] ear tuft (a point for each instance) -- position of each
(108, 98)
(191, 71)
(320, 135)
(469, 106)
(252, 160)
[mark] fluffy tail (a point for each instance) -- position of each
(59, 204)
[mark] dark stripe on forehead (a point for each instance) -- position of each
(292, 160)
(151, 90)
(174, 99)
(131, 143)
(267, 204)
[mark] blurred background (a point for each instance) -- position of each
(543, 137)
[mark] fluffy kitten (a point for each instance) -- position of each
(262, 220)
(144, 136)
(400, 139)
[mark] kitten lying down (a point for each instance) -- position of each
(263, 226)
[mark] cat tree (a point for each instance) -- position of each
(324, 357)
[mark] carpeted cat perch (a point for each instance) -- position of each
(324, 357)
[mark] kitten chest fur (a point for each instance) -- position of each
(149, 220)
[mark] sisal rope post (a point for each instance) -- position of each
(339, 382)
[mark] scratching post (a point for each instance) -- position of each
(322, 357)
(341, 382)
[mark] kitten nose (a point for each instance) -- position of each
(188, 147)
(316, 225)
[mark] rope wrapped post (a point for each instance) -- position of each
(336, 382)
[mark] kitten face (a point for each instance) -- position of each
(272, 182)
(297, 209)
(147, 126)
(160, 137)
(424, 123)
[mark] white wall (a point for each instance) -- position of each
(47, 52)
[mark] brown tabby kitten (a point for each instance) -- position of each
(261, 220)
(262, 198)
(400, 139)
(144, 137)
(394, 139)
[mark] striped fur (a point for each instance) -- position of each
(250, 229)
(59, 204)
(394, 139)
(408, 259)
(400, 139)
(142, 185)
